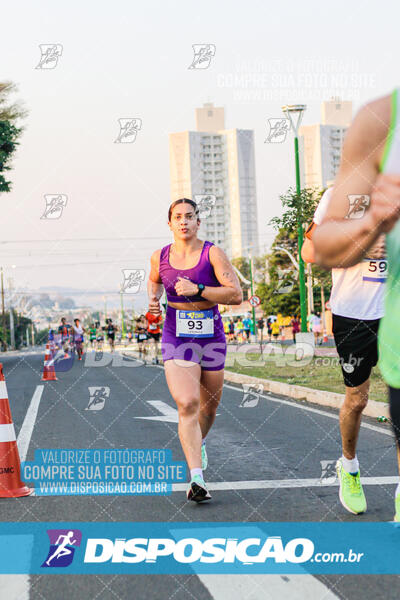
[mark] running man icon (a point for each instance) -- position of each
(62, 547)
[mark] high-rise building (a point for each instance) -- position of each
(217, 163)
(321, 144)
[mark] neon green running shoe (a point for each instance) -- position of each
(397, 505)
(197, 490)
(351, 493)
(204, 459)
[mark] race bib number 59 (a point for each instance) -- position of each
(194, 323)
(374, 270)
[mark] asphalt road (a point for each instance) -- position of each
(266, 439)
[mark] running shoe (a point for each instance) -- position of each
(204, 459)
(397, 505)
(351, 493)
(197, 490)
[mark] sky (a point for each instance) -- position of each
(131, 60)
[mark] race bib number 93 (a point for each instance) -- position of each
(194, 323)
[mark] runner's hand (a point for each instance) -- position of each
(384, 208)
(185, 287)
(154, 306)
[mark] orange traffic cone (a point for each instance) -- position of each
(53, 349)
(49, 372)
(11, 485)
(325, 338)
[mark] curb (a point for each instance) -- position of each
(332, 399)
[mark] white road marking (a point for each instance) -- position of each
(261, 587)
(266, 587)
(170, 413)
(25, 434)
(14, 587)
(294, 404)
(284, 483)
(17, 587)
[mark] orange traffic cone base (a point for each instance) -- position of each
(17, 493)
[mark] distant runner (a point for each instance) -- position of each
(77, 337)
(110, 331)
(154, 332)
(92, 335)
(65, 336)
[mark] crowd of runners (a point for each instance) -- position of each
(145, 331)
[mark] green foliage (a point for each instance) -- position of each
(20, 325)
(282, 273)
(8, 136)
(299, 209)
(42, 336)
(10, 111)
(9, 132)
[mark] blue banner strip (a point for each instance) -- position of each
(224, 548)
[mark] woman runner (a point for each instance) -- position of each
(197, 276)
(77, 337)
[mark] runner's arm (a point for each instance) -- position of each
(155, 287)
(340, 241)
(230, 291)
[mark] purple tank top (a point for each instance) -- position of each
(203, 272)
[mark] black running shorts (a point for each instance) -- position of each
(155, 336)
(357, 345)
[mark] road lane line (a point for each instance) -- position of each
(284, 483)
(314, 410)
(266, 587)
(25, 434)
(169, 413)
(17, 587)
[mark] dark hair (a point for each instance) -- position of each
(182, 201)
(75, 320)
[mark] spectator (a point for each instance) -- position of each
(295, 327)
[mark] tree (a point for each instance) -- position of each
(9, 132)
(282, 294)
(297, 206)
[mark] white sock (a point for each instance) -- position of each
(351, 465)
(397, 492)
(196, 471)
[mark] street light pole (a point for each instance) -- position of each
(252, 293)
(122, 317)
(293, 110)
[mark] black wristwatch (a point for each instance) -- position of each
(201, 287)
